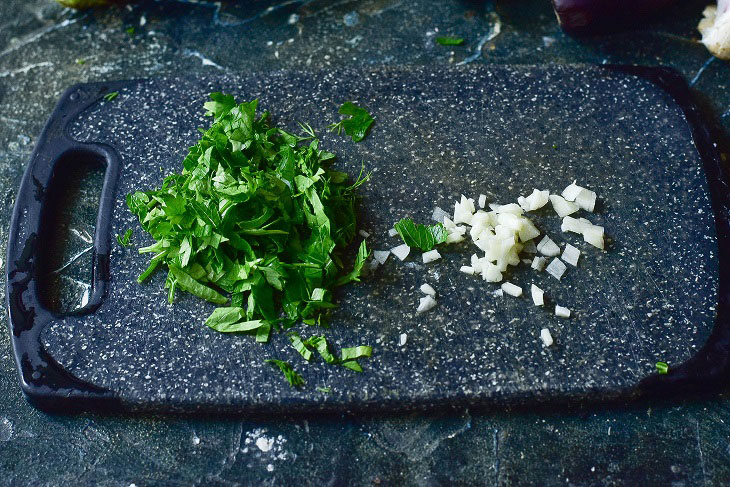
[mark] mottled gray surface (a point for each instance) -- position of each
(682, 443)
(439, 134)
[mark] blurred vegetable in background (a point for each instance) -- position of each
(88, 3)
(715, 29)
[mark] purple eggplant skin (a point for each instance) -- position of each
(602, 16)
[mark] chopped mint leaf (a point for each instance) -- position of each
(425, 237)
(294, 379)
(662, 367)
(124, 241)
(111, 96)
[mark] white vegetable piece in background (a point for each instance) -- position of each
(425, 304)
(363, 234)
(547, 339)
(571, 255)
(512, 208)
(570, 193)
(381, 256)
(401, 251)
(538, 263)
(715, 29)
(467, 270)
(586, 199)
(562, 312)
(482, 200)
(392, 232)
(402, 339)
(563, 207)
(571, 224)
(428, 289)
(537, 295)
(431, 256)
(547, 247)
(511, 289)
(463, 210)
(556, 268)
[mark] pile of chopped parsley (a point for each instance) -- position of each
(257, 222)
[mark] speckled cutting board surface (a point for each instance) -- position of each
(501, 131)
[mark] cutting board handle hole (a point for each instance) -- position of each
(68, 226)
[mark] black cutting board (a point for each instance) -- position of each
(631, 134)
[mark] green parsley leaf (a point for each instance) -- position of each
(450, 41)
(357, 125)
(662, 367)
(111, 96)
(294, 379)
(354, 274)
(425, 237)
(124, 241)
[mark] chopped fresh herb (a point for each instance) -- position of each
(357, 125)
(662, 367)
(124, 241)
(130, 30)
(258, 223)
(425, 237)
(555, 146)
(450, 41)
(300, 347)
(111, 96)
(355, 353)
(324, 390)
(80, 61)
(294, 379)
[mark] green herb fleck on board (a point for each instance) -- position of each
(111, 96)
(449, 41)
(130, 31)
(662, 367)
(294, 379)
(555, 146)
(357, 125)
(425, 237)
(124, 241)
(80, 61)
(324, 390)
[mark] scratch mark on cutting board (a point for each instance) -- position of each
(34, 37)
(495, 451)
(701, 70)
(25, 69)
(699, 448)
(494, 32)
(206, 61)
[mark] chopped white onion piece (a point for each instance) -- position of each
(402, 339)
(594, 236)
(562, 311)
(511, 289)
(561, 206)
(401, 251)
(467, 269)
(491, 272)
(556, 268)
(570, 255)
(536, 200)
(512, 208)
(448, 223)
(381, 255)
(586, 199)
(537, 295)
(363, 234)
(454, 238)
(427, 289)
(392, 232)
(499, 292)
(425, 304)
(546, 338)
(538, 263)
(528, 231)
(547, 247)
(571, 192)
(438, 215)
(430, 256)
(571, 224)
(482, 200)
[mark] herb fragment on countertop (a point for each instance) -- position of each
(257, 222)
(357, 125)
(425, 237)
(124, 241)
(111, 96)
(324, 390)
(130, 31)
(662, 367)
(294, 379)
(450, 41)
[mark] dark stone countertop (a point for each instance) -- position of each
(683, 441)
